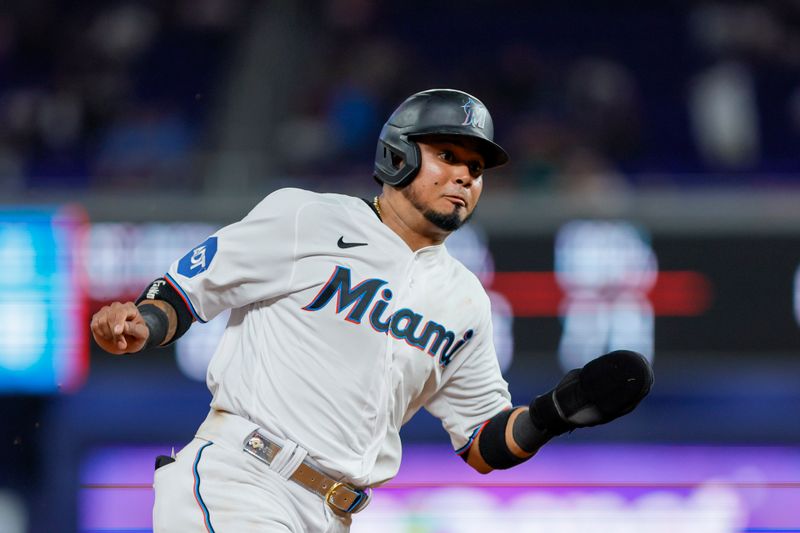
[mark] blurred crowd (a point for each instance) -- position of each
(129, 95)
(108, 94)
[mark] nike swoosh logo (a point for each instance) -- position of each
(343, 244)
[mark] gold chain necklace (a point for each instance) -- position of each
(377, 205)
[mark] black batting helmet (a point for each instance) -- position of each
(432, 112)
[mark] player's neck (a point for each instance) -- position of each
(408, 223)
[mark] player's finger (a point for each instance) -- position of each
(94, 326)
(119, 314)
(100, 334)
(136, 330)
(101, 325)
(128, 310)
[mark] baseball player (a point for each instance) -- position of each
(348, 316)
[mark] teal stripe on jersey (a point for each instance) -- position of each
(197, 496)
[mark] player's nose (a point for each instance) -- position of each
(462, 175)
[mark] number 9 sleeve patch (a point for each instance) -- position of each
(198, 259)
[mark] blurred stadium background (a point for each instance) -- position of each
(652, 202)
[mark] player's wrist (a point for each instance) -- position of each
(157, 324)
(162, 294)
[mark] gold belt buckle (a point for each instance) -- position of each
(262, 449)
(355, 507)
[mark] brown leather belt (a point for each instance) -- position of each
(340, 497)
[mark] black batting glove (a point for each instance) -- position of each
(606, 388)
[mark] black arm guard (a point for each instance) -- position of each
(606, 388)
(161, 289)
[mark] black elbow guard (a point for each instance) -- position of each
(162, 290)
(492, 443)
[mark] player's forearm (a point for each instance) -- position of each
(525, 439)
(167, 315)
(507, 440)
(606, 388)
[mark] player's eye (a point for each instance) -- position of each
(447, 155)
(475, 168)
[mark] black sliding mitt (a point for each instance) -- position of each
(606, 388)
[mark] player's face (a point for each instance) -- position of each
(449, 183)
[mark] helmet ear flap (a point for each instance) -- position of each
(396, 163)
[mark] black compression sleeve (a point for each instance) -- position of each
(527, 436)
(157, 323)
(162, 290)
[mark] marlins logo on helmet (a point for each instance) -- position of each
(476, 114)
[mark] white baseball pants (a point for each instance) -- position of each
(215, 487)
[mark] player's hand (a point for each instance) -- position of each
(606, 388)
(119, 328)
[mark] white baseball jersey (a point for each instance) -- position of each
(339, 332)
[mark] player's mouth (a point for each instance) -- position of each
(456, 200)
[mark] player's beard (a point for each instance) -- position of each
(450, 222)
(444, 221)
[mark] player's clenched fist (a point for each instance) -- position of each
(119, 328)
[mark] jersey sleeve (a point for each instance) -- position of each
(245, 262)
(474, 392)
